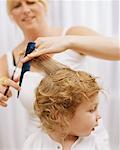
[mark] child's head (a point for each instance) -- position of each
(66, 103)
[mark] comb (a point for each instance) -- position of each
(26, 66)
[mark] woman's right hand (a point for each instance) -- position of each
(48, 45)
(4, 83)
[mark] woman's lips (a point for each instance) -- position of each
(26, 19)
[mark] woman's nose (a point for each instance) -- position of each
(26, 8)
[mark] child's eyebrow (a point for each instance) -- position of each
(94, 104)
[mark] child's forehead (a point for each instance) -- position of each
(93, 101)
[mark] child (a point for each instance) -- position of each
(67, 106)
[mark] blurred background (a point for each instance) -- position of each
(100, 15)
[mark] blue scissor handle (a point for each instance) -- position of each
(26, 66)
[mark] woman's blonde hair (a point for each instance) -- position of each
(60, 93)
(11, 2)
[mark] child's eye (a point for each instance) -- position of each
(93, 110)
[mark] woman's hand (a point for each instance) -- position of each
(4, 83)
(47, 45)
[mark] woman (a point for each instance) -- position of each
(30, 16)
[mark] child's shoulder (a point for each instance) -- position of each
(32, 141)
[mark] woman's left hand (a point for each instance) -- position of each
(47, 45)
(6, 82)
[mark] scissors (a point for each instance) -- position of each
(5, 93)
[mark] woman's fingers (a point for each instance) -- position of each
(3, 89)
(3, 98)
(43, 46)
(4, 84)
(13, 84)
(3, 104)
(27, 58)
(36, 53)
(9, 94)
(47, 45)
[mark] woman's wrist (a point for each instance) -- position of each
(71, 42)
(74, 42)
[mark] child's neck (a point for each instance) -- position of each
(71, 138)
(67, 142)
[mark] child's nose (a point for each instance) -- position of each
(98, 117)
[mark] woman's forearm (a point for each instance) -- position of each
(97, 46)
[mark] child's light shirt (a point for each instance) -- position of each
(41, 141)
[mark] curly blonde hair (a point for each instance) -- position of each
(58, 96)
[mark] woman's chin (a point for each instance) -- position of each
(30, 25)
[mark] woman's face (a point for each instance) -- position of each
(85, 119)
(28, 13)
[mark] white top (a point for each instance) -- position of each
(11, 66)
(41, 141)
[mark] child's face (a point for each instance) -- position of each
(86, 118)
